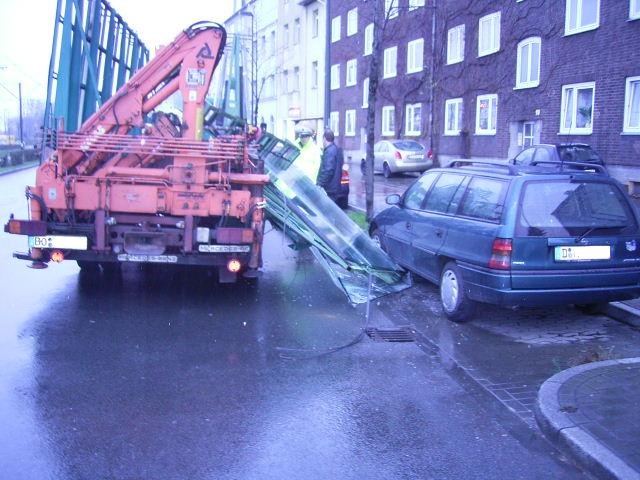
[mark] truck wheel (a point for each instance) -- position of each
(88, 267)
(455, 303)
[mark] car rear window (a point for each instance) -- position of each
(578, 153)
(408, 145)
(564, 207)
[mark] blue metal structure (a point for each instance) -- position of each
(94, 53)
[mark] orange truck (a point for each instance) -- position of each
(138, 183)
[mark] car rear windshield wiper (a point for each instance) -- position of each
(593, 229)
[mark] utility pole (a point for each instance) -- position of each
(20, 106)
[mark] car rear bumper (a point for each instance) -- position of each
(492, 286)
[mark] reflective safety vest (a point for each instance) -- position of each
(308, 162)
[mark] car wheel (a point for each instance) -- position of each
(455, 303)
(386, 171)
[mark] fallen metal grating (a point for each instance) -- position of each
(402, 334)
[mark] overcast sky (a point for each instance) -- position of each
(26, 33)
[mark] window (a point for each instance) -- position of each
(577, 108)
(296, 31)
(632, 106)
(391, 8)
(390, 60)
(315, 23)
(272, 45)
(296, 79)
(352, 22)
(581, 15)
(489, 34)
(389, 120)
(486, 114)
(335, 77)
(415, 194)
(352, 72)
(334, 122)
(368, 39)
(528, 64)
(314, 74)
(634, 9)
(335, 29)
(415, 55)
(350, 123)
(365, 92)
(453, 116)
(413, 4)
(483, 199)
(455, 44)
(263, 45)
(441, 197)
(285, 81)
(528, 135)
(413, 119)
(285, 35)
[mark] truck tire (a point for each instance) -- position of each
(455, 303)
(88, 267)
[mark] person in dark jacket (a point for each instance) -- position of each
(330, 171)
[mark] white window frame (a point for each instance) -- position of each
(388, 127)
(492, 115)
(315, 74)
(390, 64)
(315, 23)
(573, 130)
(352, 21)
(489, 25)
(410, 127)
(457, 104)
(634, 9)
(351, 73)
(391, 9)
(578, 28)
(414, 4)
(296, 31)
(368, 39)
(415, 55)
(336, 25)
(455, 44)
(365, 92)
(529, 82)
(335, 77)
(627, 105)
(350, 123)
(334, 122)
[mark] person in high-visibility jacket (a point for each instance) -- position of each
(308, 162)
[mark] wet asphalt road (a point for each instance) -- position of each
(164, 375)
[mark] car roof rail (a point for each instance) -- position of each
(582, 166)
(511, 169)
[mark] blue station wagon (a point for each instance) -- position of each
(515, 236)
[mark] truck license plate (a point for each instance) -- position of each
(126, 257)
(565, 253)
(224, 248)
(64, 242)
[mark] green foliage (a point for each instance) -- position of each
(359, 218)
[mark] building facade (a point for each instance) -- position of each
(494, 77)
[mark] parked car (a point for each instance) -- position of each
(544, 154)
(394, 156)
(515, 236)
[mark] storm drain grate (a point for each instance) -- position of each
(403, 334)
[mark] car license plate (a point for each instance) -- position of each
(64, 242)
(224, 248)
(566, 253)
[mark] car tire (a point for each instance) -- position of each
(386, 171)
(455, 303)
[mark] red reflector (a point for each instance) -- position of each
(234, 266)
(14, 227)
(501, 254)
(344, 180)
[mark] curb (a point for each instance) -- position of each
(570, 436)
(7, 171)
(624, 313)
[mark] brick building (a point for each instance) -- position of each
(506, 74)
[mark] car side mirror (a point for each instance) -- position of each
(393, 199)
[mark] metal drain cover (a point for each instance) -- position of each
(402, 334)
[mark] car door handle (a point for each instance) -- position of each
(408, 225)
(439, 233)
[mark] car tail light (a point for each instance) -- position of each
(344, 179)
(234, 265)
(430, 154)
(398, 155)
(501, 254)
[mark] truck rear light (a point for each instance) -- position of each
(234, 265)
(26, 227)
(501, 254)
(57, 256)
